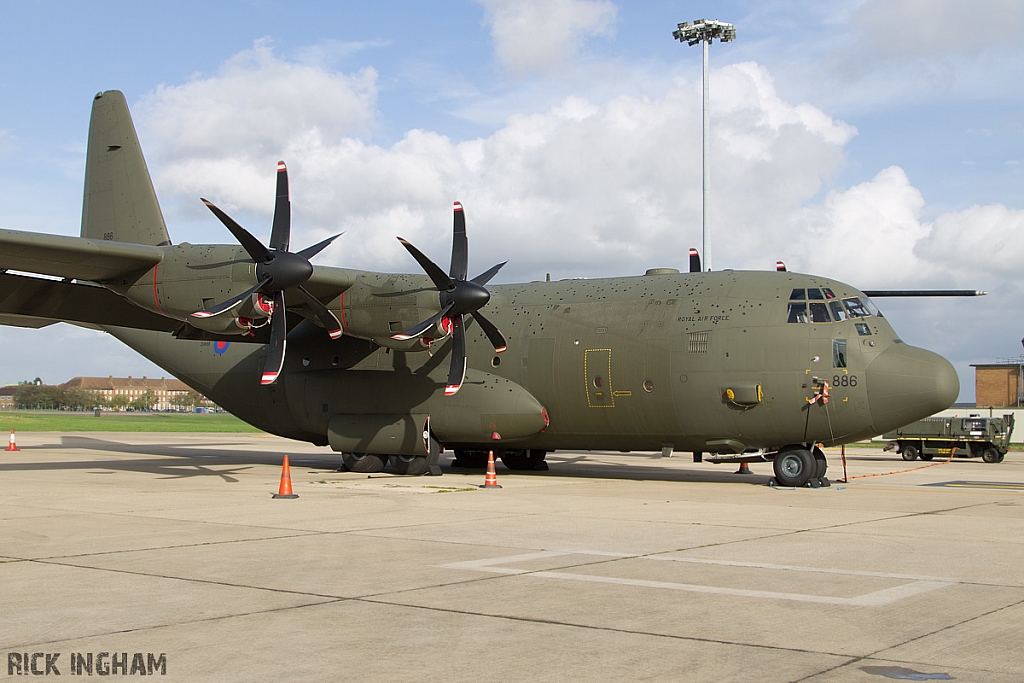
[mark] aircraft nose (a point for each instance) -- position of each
(905, 383)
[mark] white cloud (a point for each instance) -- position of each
(938, 28)
(544, 35)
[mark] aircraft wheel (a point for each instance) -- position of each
(412, 465)
(364, 462)
(926, 457)
(990, 455)
(909, 453)
(794, 468)
(532, 459)
(820, 464)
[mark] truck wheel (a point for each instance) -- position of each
(413, 465)
(990, 454)
(909, 453)
(794, 468)
(364, 462)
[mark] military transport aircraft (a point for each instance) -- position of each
(393, 368)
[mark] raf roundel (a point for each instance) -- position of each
(219, 347)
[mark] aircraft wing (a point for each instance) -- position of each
(35, 302)
(75, 258)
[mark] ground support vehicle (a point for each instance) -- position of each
(972, 437)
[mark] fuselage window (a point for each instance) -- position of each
(797, 295)
(856, 308)
(797, 313)
(839, 353)
(819, 313)
(814, 294)
(863, 329)
(828, 293)
(838, 312)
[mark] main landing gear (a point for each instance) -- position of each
(513, 459)
(798, 465)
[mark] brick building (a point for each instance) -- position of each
(164, 390)
(7, 397)
(999, 385)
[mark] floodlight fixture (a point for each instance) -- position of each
(691, 33)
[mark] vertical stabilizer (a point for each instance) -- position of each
(120, 202)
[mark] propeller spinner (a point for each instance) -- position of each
(458, 298)
(277, 269)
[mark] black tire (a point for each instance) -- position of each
(926, 458)
(909, 453)
(820, 464)
(1002, 456)
(794, 468)
(364, 462)
(990, 455)
(474, 460)
(411, 465)
(524, 460)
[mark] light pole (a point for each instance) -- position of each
(704, 31)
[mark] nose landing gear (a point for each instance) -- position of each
(800, 465)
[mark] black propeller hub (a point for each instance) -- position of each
(467, 296)
(284, 270)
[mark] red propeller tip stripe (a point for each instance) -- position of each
(268, 378)
(281, 167)
(501, 349)
(451, 389)
(458, 206)
(399, 337)
(335, 334)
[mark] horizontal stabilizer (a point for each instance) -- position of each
(75, 258)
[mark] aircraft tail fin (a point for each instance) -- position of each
(120, 203)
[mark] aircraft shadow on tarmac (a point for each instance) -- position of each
(219, 459)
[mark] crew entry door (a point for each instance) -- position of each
(597, 369)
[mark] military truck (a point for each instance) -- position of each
(972, 436)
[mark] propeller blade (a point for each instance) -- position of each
(278, 333)
(310, 252)
(460, 246)
(457, 372)
(496, 338)
(327, 319)
(422, 327)
(694, 261)
(252, 246)
(485, 277)
(280, 234)
(442, 281)
(230, 303)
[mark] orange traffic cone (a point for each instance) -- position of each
(12, 446)
(744, 469)
(491, 480)
(285, 491)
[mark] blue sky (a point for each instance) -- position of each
(876, 142)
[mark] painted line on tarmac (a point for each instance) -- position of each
(916, 584)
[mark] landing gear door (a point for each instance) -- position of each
(597, 370)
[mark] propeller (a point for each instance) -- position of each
(694, 261)
(277, 269)
(458, 298)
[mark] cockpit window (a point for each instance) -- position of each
(828, 293)
(797, 295)
(871, 307)
(814, 294)
(838, 312)
(863, 329)
(856, 308)
(819, 313)
(797, 313)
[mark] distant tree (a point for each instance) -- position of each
(145, 401)
(118, 402)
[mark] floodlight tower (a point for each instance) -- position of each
(704, 31)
